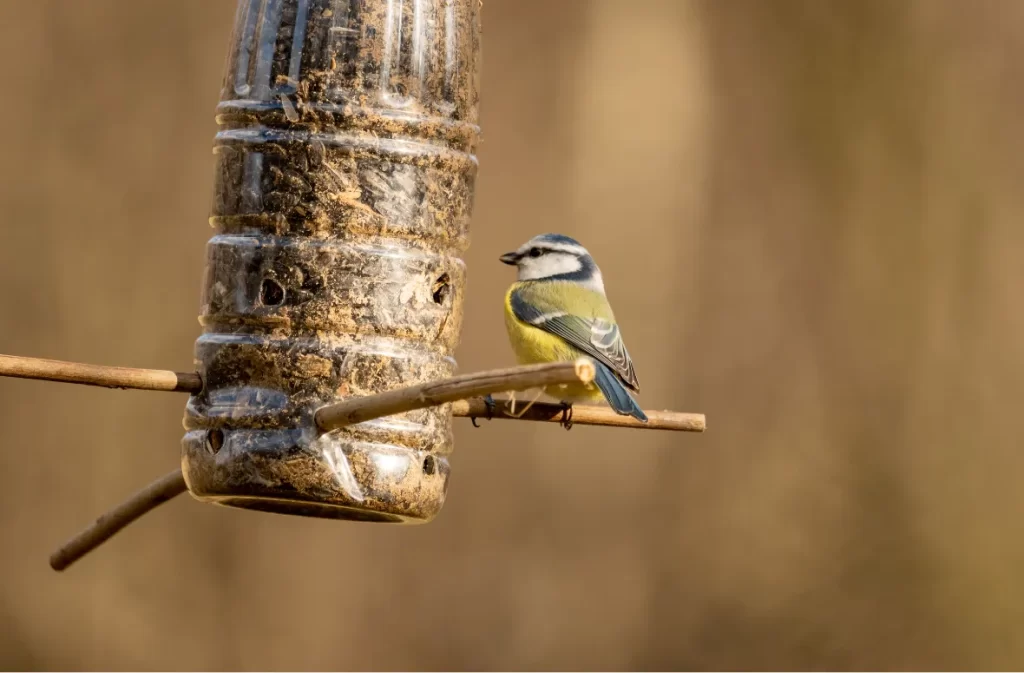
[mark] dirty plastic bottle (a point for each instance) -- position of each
(343, 192)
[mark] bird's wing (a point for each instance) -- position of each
(595, 334)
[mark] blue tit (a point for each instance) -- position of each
(557, 311)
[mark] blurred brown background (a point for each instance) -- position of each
(809, 218)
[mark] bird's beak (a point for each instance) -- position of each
(509, 258)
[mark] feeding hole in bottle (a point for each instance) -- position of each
(428, 465)
(214, 440)
(271, 292)
(441, 288)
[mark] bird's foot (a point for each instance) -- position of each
(491, 406)
(566, 421)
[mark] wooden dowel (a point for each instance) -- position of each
(454, 390)
(360, 409)
(464, 392)
(99, 375)
(583, 415)
(109, 524)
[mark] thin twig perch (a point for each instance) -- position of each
(99, 375)
(584, 415)
(464, 392)
(160, 491)
(190, 382)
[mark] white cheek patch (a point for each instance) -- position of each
(547, 265)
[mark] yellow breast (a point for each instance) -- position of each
(533, 345)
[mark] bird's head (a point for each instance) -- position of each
(555, 257)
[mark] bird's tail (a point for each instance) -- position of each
(616, 394)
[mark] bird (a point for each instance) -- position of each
(556, 310)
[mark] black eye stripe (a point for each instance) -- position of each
(535, 252)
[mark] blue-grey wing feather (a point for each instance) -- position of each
(596, 337)
(616, 394)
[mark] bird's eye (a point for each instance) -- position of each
(534, 252)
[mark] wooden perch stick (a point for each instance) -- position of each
(360, 409)
(583, 415)
(465, 392)
(99, 375)
(105, 527)
(190, 382)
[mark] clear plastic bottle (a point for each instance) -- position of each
(344, 189)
